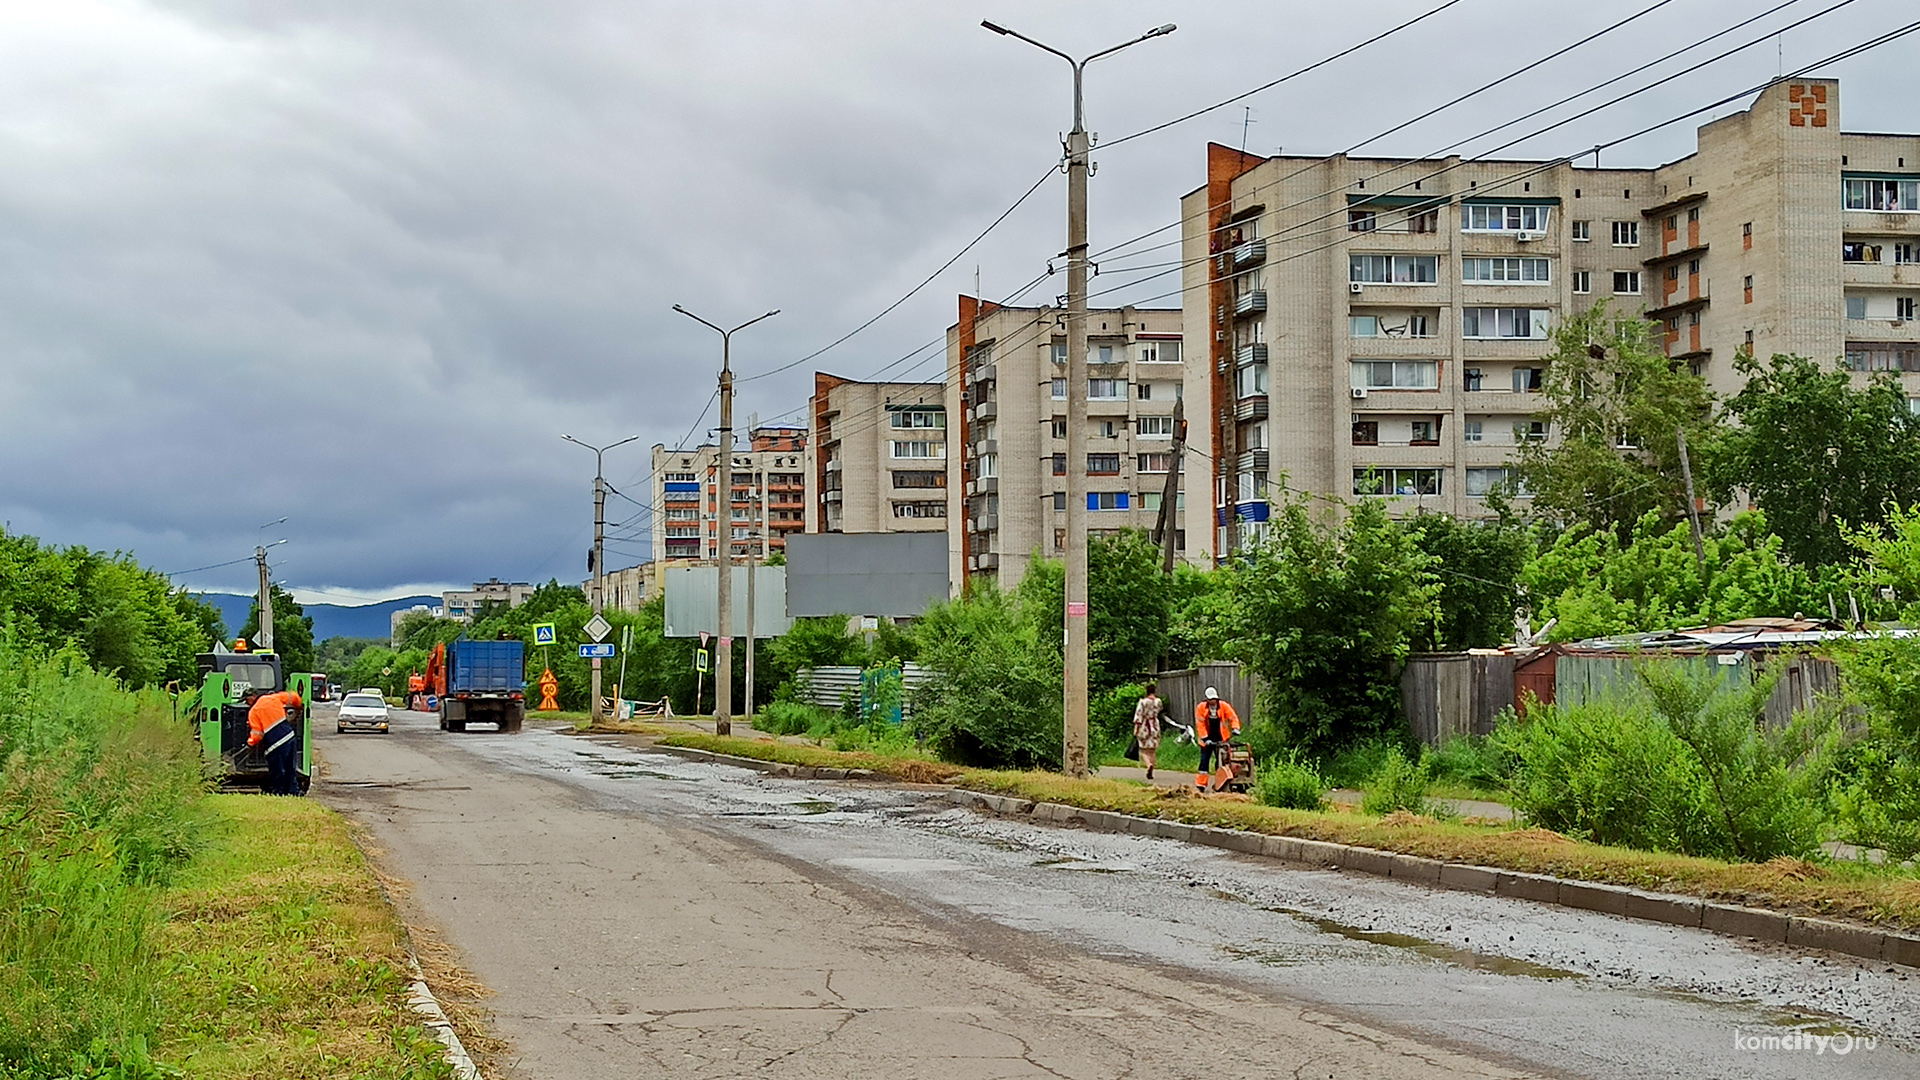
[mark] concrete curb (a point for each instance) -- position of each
(420, 998)
(1729, 920)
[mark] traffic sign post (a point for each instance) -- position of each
(603, 651)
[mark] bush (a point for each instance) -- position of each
(1470, 760)
(1879, 805)
(1352, 765)
(992, 695)
(1110, 720)
(794, 718)
(1400, 783)
(1291, 783)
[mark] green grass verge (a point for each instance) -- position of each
(284, 957)
(1888, 896)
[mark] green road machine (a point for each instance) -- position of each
(218, 713)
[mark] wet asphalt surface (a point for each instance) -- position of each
(1535, 988)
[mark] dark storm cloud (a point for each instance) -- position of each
(362, 263)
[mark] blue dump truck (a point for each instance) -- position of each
(485, 683)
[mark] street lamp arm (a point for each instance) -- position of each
(698, 319)
(1036, 44)
(753, 320)
(1158, 31)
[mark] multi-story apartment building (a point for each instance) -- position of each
(630, 588)
(697, 502)
(464, 604)
(1375, 327)
(1006, 383)
(877, 459)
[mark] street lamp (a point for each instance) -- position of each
(723, 648)
(599, 536)
(1074, 758)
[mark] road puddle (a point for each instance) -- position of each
(1067, 862)
(1276, 956)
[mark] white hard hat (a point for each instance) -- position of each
(1212, 693)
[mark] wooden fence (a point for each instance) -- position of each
(1184, 689)
(1447, 694)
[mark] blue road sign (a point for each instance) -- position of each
(603, 650)
(543, 633)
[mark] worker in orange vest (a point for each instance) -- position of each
(1214, 723)
(270, 729)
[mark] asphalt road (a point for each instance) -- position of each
(638, 914)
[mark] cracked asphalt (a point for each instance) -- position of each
(637, 914)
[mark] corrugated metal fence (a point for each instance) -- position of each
(831, 687)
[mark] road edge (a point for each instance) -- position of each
(420, 998)
(1725, 920)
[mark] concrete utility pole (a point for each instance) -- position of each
(598, 558)
(723, 648)
(1693, 504)
(760, 540)
(1164, 526)
(263, 637)
(1079, 146)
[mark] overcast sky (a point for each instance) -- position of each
(360, 263)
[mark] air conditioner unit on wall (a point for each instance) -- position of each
(1359, 393)
(1526, 236)
(1356, 288)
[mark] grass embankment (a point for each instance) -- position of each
(284, 958)
(1888, 896)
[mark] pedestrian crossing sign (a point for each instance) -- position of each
(543, 633)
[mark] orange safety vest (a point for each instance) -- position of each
(1214, 716)
(268, 710)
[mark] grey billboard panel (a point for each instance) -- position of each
(693, 594)
(865, 573)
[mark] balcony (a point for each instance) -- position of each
(1251, 253)
(986, 410)
(986, 446)
(1252, 461)
(986, 523)
(983, 373)
(1249, 303)
(1883, 273)
(1253, 408)
(986, 560)
(1255, 353)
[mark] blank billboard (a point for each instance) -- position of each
(892, 574)
(693, 601)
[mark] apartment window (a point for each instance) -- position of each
(1424, 433)
(1059, 464)
(1059, 389)
(1361, 220)
(1503, 322)
(1157, 352)
(1107, 429)
(1103, 464)
(903, 448)
(1856, 307)
(1153, 427)
(1583, 230)
(1396, 481)
(1903, 307)
(1746, 234)
(1746, 286)
(987, 466)
(1673, 272)
(1497, 217)
(1143, 391)
(1481, 482)
(1473, 431)
(1060, 502)
(1151, 500)
(1423, 221)
(1482, 271)
(1251, 381)
(919, 478)
(1363, 326)
(1396, 375)
(919, 509)
(1154, 463)
(1394, 269)
(1256, 436)
(1896, 195)
(681, 532)
(1583, 281)
(1470, 379)
(1529, 430)
(688, 513)
(1693, 318)
(1527, 379)
(1626, 234)
(1366, 326)
(1673, 223)
(1106, 389)
(1626, 283)
(1693, 213)
(1906, 253)
(1058, 352)
(920, 418)
(1059, 539)
(1882, 356)
(1107, 500)
(743, 479)
(1693, 267)
(1366, 433)
(1099, 354)
(1854, 251)
(681, 478)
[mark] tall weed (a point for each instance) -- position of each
(1400, 783)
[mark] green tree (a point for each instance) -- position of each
(1819, 454)
(1129, 604)
(1477, 566)
(1202, 625)
(992, 695)
(1614, 408)
(1327, 612)
(292, 630)
(1596, 585)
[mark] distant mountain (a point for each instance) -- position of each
(329, 620)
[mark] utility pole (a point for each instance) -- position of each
(723, 649)
(760, 540)
(1074, 741)
(263, 637)
(1693, 505)
(1164, 526)
(597, 559)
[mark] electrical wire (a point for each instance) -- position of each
(197, 569)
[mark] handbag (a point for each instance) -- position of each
(1133, 750)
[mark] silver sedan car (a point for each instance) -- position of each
(364, 712)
